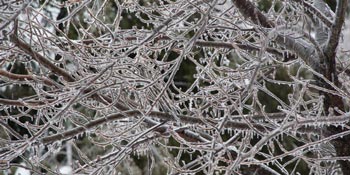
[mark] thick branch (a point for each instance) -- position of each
(134, 113)
(21, 102)
(303, 49)
(41, 59)
(341, 144)
(301, 124)
(20, 77)
(335, 33)
(312, 11)
(249, 10)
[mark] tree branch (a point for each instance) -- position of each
(333, 39)
(20, 77)
(302, 124)
(312, 11)
(42, 60)
(303, 49)
(135, 113)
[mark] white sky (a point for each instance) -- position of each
(345, 45)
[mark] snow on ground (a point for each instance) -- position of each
(22, 171)
(65, 170)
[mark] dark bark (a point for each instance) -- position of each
(327, 67)
(330, 72)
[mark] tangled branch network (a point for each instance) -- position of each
(173, 87)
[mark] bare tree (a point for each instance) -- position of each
(267, 87)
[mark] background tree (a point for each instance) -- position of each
(221, 86)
